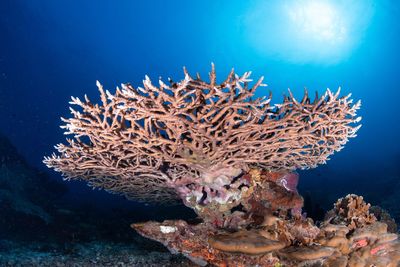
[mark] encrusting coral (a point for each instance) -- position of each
(232, 158)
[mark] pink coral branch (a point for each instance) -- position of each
(141, 142)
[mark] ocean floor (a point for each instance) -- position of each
(85, 254)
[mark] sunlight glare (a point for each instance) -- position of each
(319, 20)
(308, 31)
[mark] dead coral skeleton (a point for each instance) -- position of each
(190, 137)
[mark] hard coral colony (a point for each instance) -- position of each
(231, 158)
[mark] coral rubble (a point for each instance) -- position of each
(232, 159)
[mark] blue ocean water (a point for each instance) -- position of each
(51, 50)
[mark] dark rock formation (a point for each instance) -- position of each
(26, 194)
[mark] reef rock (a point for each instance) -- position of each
(350, 236)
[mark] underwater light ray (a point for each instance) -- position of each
(307, 31)
(318, 20)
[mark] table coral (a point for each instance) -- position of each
(194, 139)
(232, 158)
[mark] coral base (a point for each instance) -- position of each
(192, 241)
(349, 236)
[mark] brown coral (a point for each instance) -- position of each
(276, 241)
(307, 253)
(192, 241)
(352, 211)
(195, 136)
(248, 242)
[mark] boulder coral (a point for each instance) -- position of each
(232, 158)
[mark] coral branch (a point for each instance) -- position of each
(146, 143)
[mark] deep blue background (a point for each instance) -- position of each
(50, 50)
